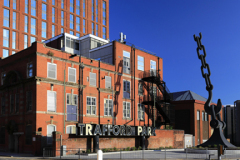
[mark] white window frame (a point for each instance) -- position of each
(154, 69)
(72, 102)
(129, 88)
(55, 70)
(206, 116)
(139, 66)
(91, 110)
(126, 109)
(51, 134)
(142, 112)
(55, 101)
(109, 114)
(69, 74)
(198, 115)
(203, 116)
(90, 78)
(72, 130)
(107, 85)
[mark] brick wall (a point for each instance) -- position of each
(163, 138)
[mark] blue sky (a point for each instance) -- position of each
(166, 27)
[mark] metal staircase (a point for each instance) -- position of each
(162, 100)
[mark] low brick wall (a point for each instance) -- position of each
(163, 138)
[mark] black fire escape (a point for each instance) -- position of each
(156, 89)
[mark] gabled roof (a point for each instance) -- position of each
(187, 95)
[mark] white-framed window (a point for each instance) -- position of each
(126, 62)
(71, 129)
(3, 76)
(126, 110)
(108, 82)
(29, 70)
(140, 63)
(72, 102)
(141, 112)
(71, 74)
(140, 88)
(50, 128)
(52, 70)
(203, 116)
(51, 101)
(92, 79)
(153, 68)
(126, 89)
(91, 105)
(108, 106)
(198, 115)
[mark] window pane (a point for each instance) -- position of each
(33, 26)
(25, 41)
(6, 18)
(5, 53)
(5, 38)
(44, 29)
(6, 3)
(14, 40)
(14, 20)
(44, 11)
(33, 7)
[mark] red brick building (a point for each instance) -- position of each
(45, 89)
(25, 21)
(191, 116)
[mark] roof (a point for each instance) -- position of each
(187, 95)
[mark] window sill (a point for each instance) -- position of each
(93, 86)
(51, 112)
(141, 119)
(127, 119)
(107, 116)
(140, 94)
(90, 115)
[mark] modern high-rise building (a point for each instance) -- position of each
(26, 21)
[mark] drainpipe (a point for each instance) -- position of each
(64, 92)
(99, 91)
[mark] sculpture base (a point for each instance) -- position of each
(217, 138)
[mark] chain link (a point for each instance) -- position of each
(202, 57)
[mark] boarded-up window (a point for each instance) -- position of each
(72, 74)
(92, 79)
(108, 82)
(51, 101)
(52, 70)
